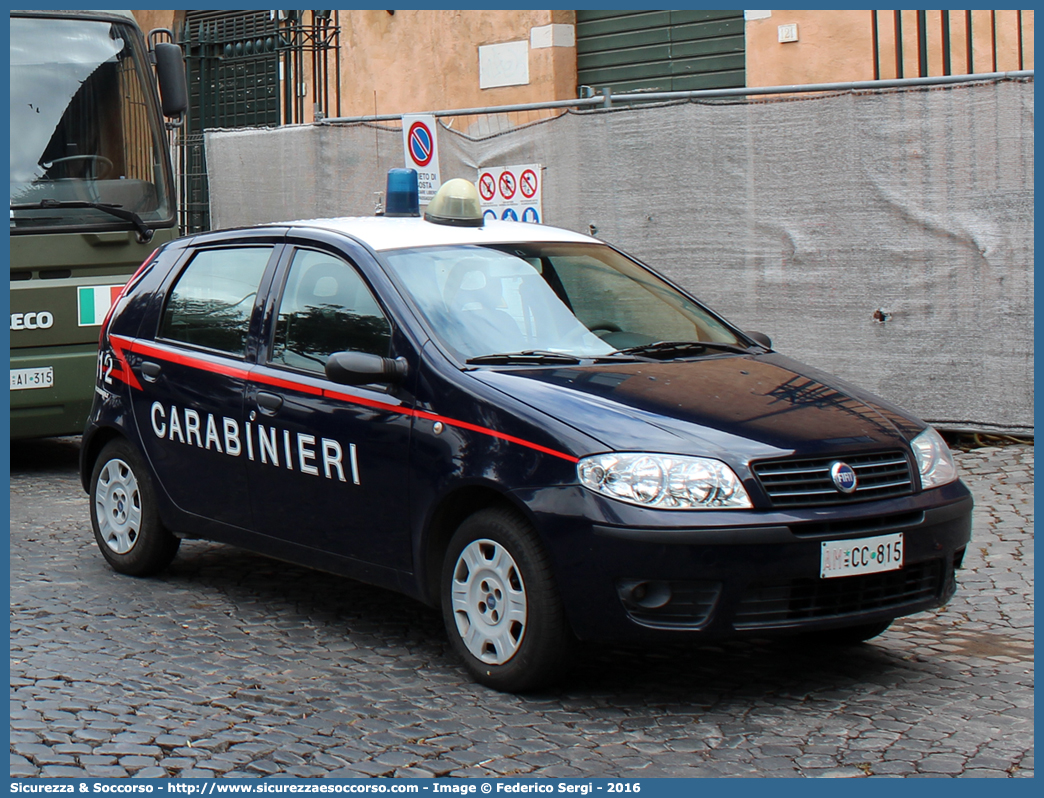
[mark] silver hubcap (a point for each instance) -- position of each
(489, 602)
(117, 505)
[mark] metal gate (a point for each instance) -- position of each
(249, 69)
(952, 37)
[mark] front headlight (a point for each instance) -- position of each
(663, 481)
(934, 460)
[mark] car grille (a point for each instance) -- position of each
(806, 482)
(777, 603)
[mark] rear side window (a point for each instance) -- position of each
(211, 302)
(326, 307)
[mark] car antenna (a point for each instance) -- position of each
(378, 203)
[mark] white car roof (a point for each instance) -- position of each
(385, 233)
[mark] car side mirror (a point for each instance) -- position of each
(759, 338)
(362, 368)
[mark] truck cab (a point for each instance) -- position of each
(92, 195)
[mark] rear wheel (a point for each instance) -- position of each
(500, 604)
(123, 513)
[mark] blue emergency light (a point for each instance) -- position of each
(402, 193)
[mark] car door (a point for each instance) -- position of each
(189, 411)
(327, 463)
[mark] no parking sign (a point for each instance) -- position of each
(421, 152)
(512, 192)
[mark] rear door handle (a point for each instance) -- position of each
(150, 370)
(269, 401)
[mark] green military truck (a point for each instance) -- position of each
(92, 195)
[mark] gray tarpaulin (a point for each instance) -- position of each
(886, 237)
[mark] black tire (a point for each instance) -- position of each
(126, 523)
(849, 635)
(521, 638)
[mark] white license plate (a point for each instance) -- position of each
(23, 379)
(861, 556)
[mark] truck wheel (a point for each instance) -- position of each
(123, 513)
(500, 604)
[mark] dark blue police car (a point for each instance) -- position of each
(517, 423)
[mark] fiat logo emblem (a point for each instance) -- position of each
(844, 477)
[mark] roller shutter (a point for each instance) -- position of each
(661, 50)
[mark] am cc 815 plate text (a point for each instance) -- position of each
(861, 556)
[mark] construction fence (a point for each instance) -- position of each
(884, 235)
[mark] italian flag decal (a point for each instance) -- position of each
(94, 302)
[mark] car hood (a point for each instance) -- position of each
(734, 407)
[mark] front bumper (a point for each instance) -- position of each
(747, 572)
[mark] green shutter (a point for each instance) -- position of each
(660, 50)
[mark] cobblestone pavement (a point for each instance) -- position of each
(232, 665)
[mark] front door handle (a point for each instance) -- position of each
(150, 370)
(269, 401)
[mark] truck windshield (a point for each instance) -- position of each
(83, 127)
(579, 300)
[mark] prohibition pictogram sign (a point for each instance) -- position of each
(528, 184)
(487, 186)
(507, 185)
(421, 144)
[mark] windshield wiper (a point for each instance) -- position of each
(145, 232)
(535, 356)
(663, 350)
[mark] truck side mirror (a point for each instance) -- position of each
(170, 70)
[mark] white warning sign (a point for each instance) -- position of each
(512, 193)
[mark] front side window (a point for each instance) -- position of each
(326, 307)
(582, 300)
(211, 303)
(84, 129)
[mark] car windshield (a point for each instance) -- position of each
(582, 300)
(84, 132)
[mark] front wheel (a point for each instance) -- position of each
(500, 604)
(126, 523)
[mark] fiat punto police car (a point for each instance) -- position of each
(519, 424)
